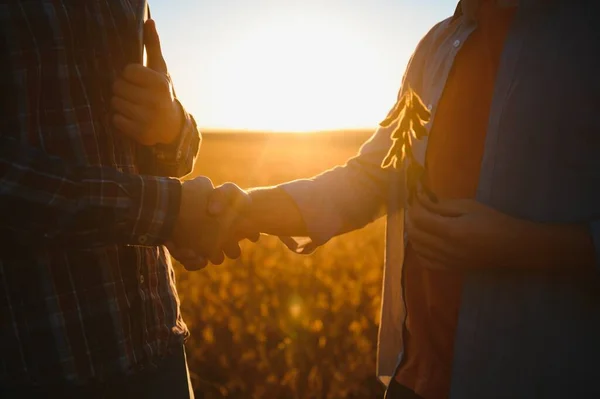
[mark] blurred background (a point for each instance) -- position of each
(282, 90)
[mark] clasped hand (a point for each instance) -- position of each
(209, 226)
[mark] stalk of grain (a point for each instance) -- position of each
(410, 117)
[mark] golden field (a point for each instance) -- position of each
(275, 324)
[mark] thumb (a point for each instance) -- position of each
(217, 202)
(228, 197)
(155, 58)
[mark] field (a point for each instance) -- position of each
(274, 324)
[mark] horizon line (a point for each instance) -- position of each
(277, 131)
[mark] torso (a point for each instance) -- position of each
(453, 161)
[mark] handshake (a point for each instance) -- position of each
(211, 223)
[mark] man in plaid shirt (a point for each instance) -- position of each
(88, 140)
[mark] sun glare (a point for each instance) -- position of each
(295, 310)
(293, 75)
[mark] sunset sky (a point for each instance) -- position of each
(288, 65)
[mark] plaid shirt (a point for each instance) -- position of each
(86, 290)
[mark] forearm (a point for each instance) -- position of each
(47, 201)
(273, 211)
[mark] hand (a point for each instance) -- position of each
(200, 235)
(459, 234)
(194, 230)
(143, 101)
(229, 198)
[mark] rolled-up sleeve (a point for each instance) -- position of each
(344, 198)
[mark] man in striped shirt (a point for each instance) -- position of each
(89, 143)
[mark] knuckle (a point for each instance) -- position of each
(229, 188)
(202, 184)
(205, 182)
(131, 71)
(164, 83)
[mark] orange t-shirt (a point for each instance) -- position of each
(452, 165)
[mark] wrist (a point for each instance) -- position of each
(177, 121)
(274, 212)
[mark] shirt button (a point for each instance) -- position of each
(179, 155)
(143, 239)
(430, 107)
(142, 279)
(456, 43)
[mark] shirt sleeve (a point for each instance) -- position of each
(176, 159)
(344, 198)
(46, 201)
(349, 197)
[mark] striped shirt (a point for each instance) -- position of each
(86, 289)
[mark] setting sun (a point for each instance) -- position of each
(287, 66)
(301, 79)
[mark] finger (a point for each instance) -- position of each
(130, 110)
(232, 250)
(127, 126)
(254, 237)
(171, 247)
(140, 76)
(155, 58)
(201, 183)
(184, 255)
(432, 247)
(135, 94)
(194, 264)
(180, 253)
(430, 194)
(428, 221)
(217, 258)
(132, 129)
(448, 208)
(419, 238)
(245, 229)
(187, 257)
